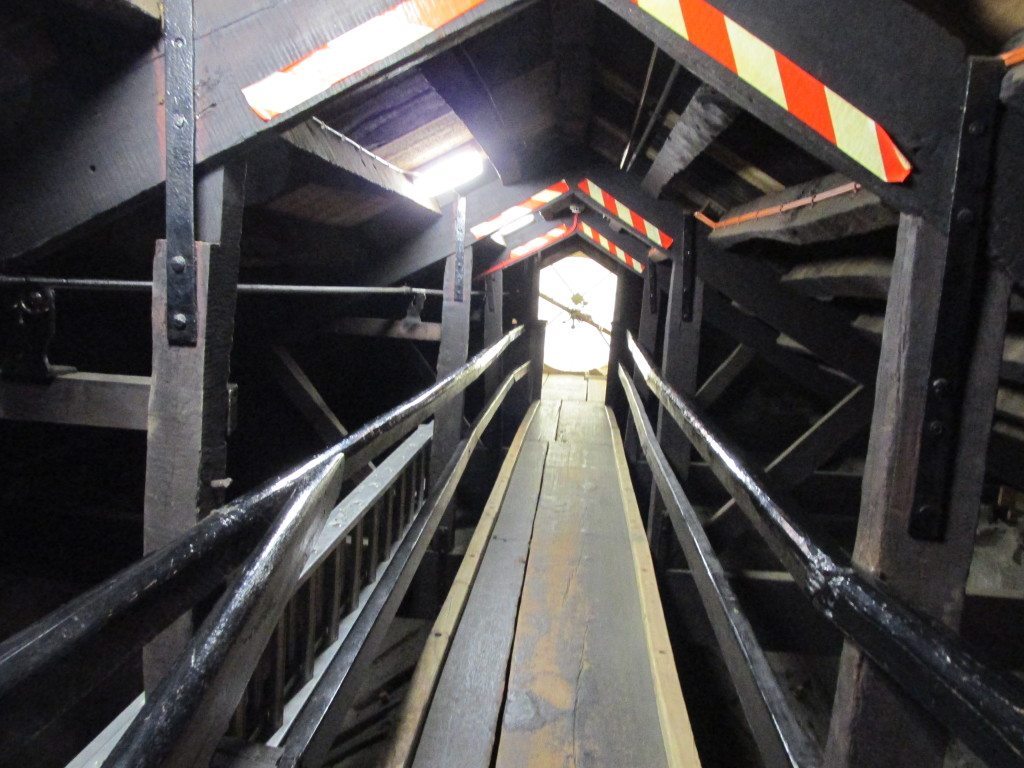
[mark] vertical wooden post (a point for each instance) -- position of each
(186, 450)
(494, 327)
(623, 319)
(679, 360)
(536, 332)
(873, 723)
(647, 338)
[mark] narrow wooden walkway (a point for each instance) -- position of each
(551, 649)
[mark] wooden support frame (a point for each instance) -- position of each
(384, 327)
(872, 720)
(186, 451)
(303, 394)
(87, 399)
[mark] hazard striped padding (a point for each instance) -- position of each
(625, 214)
(777, 77)
(608, 246)
(527, 206)
(360, 47)
(530, 247)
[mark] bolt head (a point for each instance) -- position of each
(927, 510)
(178, 264)
(936, 428)
(976, 128)
(940, 387)
(179, 321)
(965, 216)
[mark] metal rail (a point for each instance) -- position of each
(981, 706)
(781, 739)
(145, 286)
(80, 645)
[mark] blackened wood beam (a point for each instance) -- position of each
(865, 277)
(753, 284)
(140, 15)
(455, 77)
(89, 399)
(873, 723)
(763, 339)
(724, 375)
(316, 139)
(707, 114)
(917, 99)
(828, 218)
(113, 155)
(382, 327)
(572, 31)
(303, 394)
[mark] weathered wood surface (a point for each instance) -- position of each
(581, 689)
(415, 706)
(460, 727)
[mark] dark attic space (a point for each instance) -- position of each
(511, 384)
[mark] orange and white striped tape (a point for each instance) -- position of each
(602, 242)
(384, 35)
(625, 214)
(777, 77)
(530, 247)
(529, 205)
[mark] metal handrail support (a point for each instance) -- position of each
(781, 739)
(981, 706)
(318, 723)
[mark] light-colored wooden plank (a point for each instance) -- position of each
(581, 422)
(596, 389)
(413, 713)
(677, 735)
(459, 730)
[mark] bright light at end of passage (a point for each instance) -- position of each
(449, 173)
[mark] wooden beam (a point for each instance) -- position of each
(873, 723)
(865, 277)
(114, 157)
(754, 284)
(455, 76)
(141, 15)
(383, 327)
(754, 333)
(574, 66)
(316, 139)
(724, 375)
(831, 218)
(303, 394)
(186, 449)
(87, 399)
(707, 114)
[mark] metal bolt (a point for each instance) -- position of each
(179, 121)
(940, 387)
(936, 427)
(976, 128)
(179, 321)
(927, 510)
(178, 264)
(965, 216)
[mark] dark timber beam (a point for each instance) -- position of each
(114, 155)
(916, 99)
(724, 375)
(843, 215)
(873, 723)
(574, 21)
(186, 449)
(141, 15)
(753, 284)
(383, 327)
(303, 394)
(316, 139)
(865, 277)
(88, 399)
(455, 76)
(707, 114)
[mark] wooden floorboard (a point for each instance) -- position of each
(563, 386)
(581, 691)
(460, 727)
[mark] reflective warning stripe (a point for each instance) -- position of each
(527, 206)
(530, 247)
(625, 214)
(360, 47)
(609, 247)
(782, 81)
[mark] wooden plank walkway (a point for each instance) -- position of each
(561, 655)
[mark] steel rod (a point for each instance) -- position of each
(978, 704)
(145, 286)
(781, 739)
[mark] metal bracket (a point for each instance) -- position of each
(414, 312)
(460, 249)
(954, 327)
(180, 120)
(689, 266)
(30, 327)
